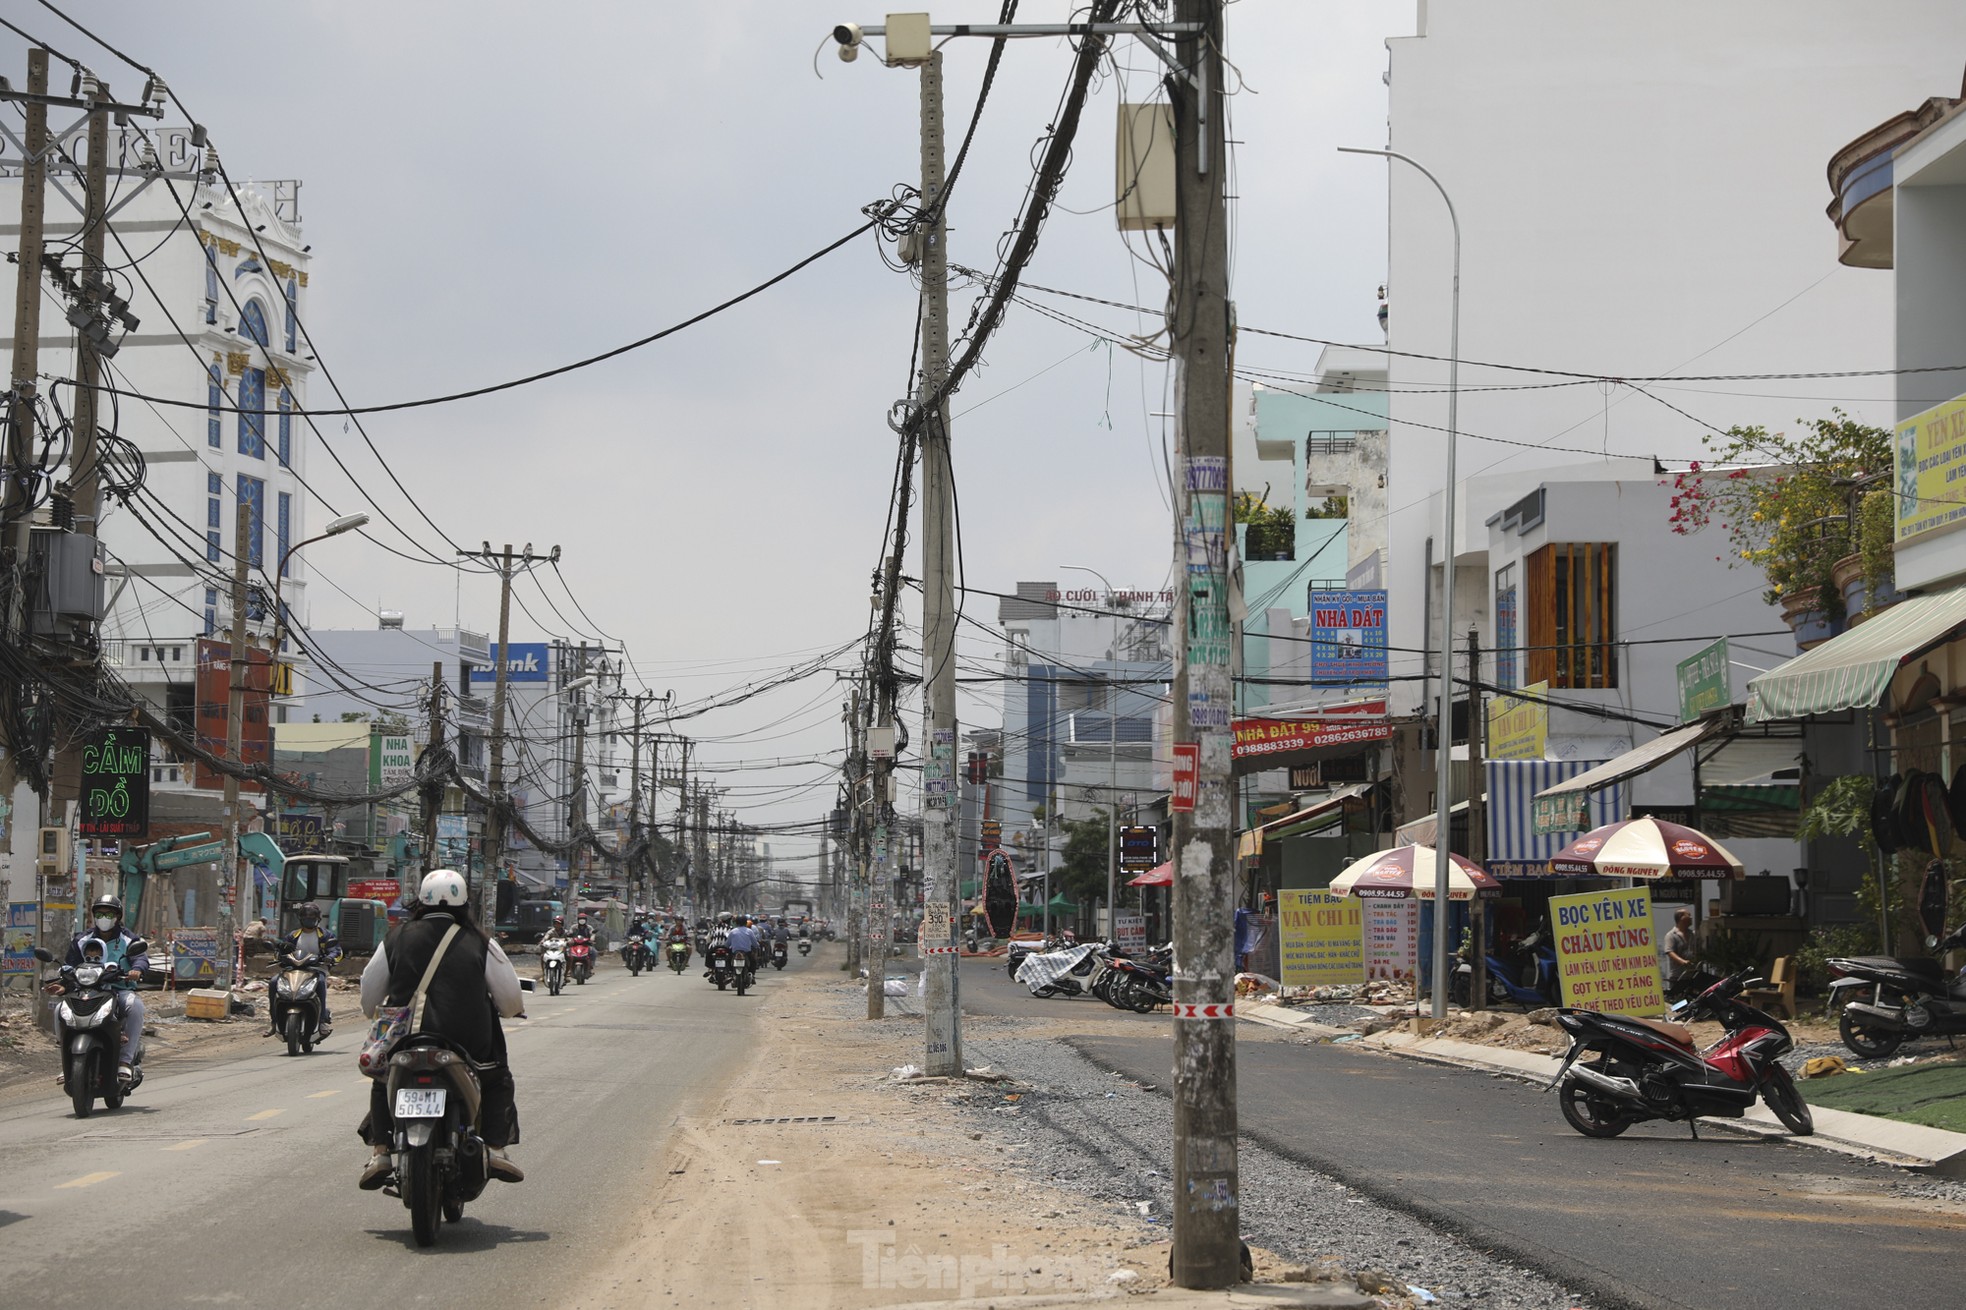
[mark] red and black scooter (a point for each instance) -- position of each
(580, 960)
(1621, 1071)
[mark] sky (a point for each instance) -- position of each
(494, 188)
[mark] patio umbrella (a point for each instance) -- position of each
(1407, 873)
(1161, 875)
(1645, 848)
(1059, 905)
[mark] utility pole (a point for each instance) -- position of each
(1207, 1245)
(941, 1007)
(21, 428)
(1477, 830)
(635, 796)
(241, 870)
(85, 477)
(433, 797)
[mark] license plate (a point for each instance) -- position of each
(420, 1102)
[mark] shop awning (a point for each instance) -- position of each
(1634, 762)
(1420, 831)
(1852, 671)
(1312, 818)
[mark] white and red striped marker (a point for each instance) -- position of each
(1212, 1010)
(940, 950)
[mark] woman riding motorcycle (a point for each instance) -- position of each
(475, 984)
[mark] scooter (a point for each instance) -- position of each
(722, 968)
(553, 963)
(580, 960)
(805, 946)
(294, 1003)
(1532, 982)
(1649, 1068)
(1142, 985)
(434, 1100)
(679, 956)
(778, 955)
(1885, 1001)
(635, 955)
(91, 1023)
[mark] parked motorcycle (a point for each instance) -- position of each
(1883, 1002)
(1642, 1069)
(679, 956)
(580, 961)
(434, 1101)
(1057, 973)
(778, 955)
(294, 1005)
(94, 1035)
(635, 955)
(1142, 985)
(1528, 977)
(553, 964)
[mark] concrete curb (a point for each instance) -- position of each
(1250, 1296)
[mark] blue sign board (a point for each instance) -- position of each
(530, 661)
(1348, 638)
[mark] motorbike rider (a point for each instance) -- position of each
(311, 939)
(779, 932)
(475, 984)
(743, 941)
(555, 938)
(583, 931)
(120, 947)
(720, 935)
(805, 928)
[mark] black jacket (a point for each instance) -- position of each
(457, 1004)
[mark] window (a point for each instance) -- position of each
(143, 654)
(283, 525)
(1573, 615)
(214, 484)
(293, 315)
(252, 503)
(252, 324)
(211, 284)
(211, 512)
(214, 401)
(177, 653)
(286, 428)
(211, 547)
(211, 598)
(252, 413)
(1505, 626)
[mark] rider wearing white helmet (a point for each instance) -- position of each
(474, 984)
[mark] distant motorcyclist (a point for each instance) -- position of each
(310, 939)
(805, 928)
(720, 935)
(131, 954)
(583, 931)
(743, 941)
(779, 932)
(475, 984)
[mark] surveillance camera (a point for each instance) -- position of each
(847, 34)
(849, 53)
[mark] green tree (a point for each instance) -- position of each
(1081, 874)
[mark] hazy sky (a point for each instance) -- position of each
(492, 188)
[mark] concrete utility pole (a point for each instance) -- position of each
(1207, 1245)
(941, 1008)
(239, 869)
(21, 431)
(85, 478)
(433, 799)
(1477, 828)
(635, 793)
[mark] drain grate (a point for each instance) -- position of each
(792, 1119)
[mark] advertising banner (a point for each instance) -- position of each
(1518, 728)
(1930, 459)
(1139, 848)
(17, 950)
(392, 760)
(385, 890)
(300, 834)
(530, 661)
(1187, 776)
(1322, 939)
(1258, 737)
(1605, 955)
(1554, 815)
(1130, 932)
(1704, 681)
(1348, 637)
(115, 798)
(214, 689)
(1392, 940)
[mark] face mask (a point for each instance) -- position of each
(104, 923)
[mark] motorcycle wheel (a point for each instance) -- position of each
(721, 982)
(1871, 1042)
(741, 984)
(634, 971)
(1586, 1111)
(1045, 992)
(292, 1031)
(1142, 1001)
(553, 984)
(423, 1193)
(1785, 1099)
(82, 1075)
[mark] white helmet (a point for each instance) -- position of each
(443, 887)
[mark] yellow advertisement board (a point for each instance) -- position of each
(1320, 939)
(1518, 729)
(1930, 463)
(1605, 955)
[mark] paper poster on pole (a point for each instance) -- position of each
(18, 957)
(1321, 939)
(1606, 956)
(1392, 940)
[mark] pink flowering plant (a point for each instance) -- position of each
(1782, 500)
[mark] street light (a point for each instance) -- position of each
(346, 523)
(1112, 776)
(1443, 759)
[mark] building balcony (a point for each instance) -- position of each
(1863, 181)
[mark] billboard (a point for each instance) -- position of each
(1929, 455)
(1255, 737)
(1348, 637)
(1322, 939)
(530, 661)
(392, 760)
(1704, 681)
(1139, 848)
(214, 684)
(115, 797)
(1519, 728)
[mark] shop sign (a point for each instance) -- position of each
(1348, 637)
(1259, 737)
(1187, 776)
(1550, 815)
(1392, 939)
(1130, 932)
(1518, 727)
(530, 661)
(1139, 848)
(1704, 681)
(385, 890)
(301, 834)
(1930, 463)
(392, 760)
(1605, 956)
(1321, 939)
(115, 792)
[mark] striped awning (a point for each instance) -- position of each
(1636, 761)
(1852, 671)
(1515, 848)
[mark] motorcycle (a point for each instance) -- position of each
(1650, 1069)
(1530, 980)
(1053, 973)
(635, 955)
(1883, 1002)
(1142, 985)
(94, 1032)
(580, 961)
(434, 1100)
(778, 955)
(679, 956)
(553, 964)
(294, 1004)
(805, 946)
(722, 968)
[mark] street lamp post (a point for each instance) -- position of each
(1112, 771)
(1443, 760)
(346, 523)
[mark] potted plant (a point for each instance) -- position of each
(1875, 587)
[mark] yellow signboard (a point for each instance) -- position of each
(1519, 729)
(1605, 955)
(1930, 459)
(1321, 939)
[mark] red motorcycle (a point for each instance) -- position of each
(1621, 1070)
(580, 959)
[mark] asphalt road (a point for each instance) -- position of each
(235, 1180)
(1650, 1219)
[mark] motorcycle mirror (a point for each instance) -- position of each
(44, 955)
(1931, 942)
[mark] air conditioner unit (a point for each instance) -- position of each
(54, 854)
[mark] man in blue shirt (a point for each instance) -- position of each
(743, 942)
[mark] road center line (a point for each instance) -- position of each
(186, 1146)
(332, 1091)
(264, 1114)
(89, 1180)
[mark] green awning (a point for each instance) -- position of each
(1853, 671)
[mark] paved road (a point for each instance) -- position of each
(235, 1180)
(1650, 1219)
